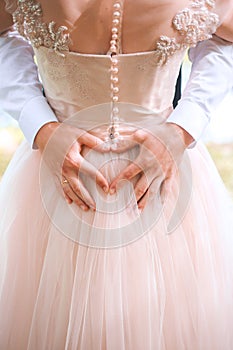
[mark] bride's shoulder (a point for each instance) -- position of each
(196, 21)
(6, 8)
(224, 7)
(10, 5)
(223, 4)
(225, 10)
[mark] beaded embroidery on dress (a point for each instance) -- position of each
(63, 289)
(28, 19)
(195, 23)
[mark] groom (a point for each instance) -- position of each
(210, 80)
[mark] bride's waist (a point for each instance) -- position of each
(97, 119)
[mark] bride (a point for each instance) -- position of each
(116, 231)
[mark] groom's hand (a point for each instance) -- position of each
(161, 151)
(61, 145)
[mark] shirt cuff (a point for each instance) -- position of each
(35, 113)
(191, 117)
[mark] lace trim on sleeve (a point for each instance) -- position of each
(195, 23)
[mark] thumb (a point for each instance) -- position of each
(91, 141)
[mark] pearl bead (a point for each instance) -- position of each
(117, 14)
(114, 79)
(113, 48)
(114, 61)
(113, 133)
(117, 6)
(114, 70)
(114, 30)
(116, 22)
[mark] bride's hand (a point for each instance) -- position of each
(61, 145)
(161, 151)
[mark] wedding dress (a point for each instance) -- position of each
(116, 278)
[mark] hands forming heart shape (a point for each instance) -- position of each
(161, 151)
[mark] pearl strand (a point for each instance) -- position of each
(113, 129)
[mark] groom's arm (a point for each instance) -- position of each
(21, 93)
(210, 80)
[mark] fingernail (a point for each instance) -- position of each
(83, 207)
(112, 191)
(105, 189)
(92, 206)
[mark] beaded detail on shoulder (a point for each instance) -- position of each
(29, 23)
(195, 23)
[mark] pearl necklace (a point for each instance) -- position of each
(115, 48)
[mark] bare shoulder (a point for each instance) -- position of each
(225, 10)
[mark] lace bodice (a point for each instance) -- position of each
(194, 23)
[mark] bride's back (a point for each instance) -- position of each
(90, 22)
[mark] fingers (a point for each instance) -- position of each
(91, 141)
(75, 162)
(87, 168)
(124, 146)
(165, 189)
(75, 191)
(140, 135)
(145, 160)
(143, 200)
(159, 187)
(142, 185)
(60, 183)
(67, 198)
(151, 192)
(127, 174)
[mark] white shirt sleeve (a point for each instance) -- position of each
(21, 93)
(210, 80)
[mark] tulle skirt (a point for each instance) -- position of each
(117, 278)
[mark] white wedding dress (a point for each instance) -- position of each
(117, 278)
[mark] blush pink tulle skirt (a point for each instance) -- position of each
(117, 278)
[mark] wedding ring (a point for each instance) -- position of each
(64, 181)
